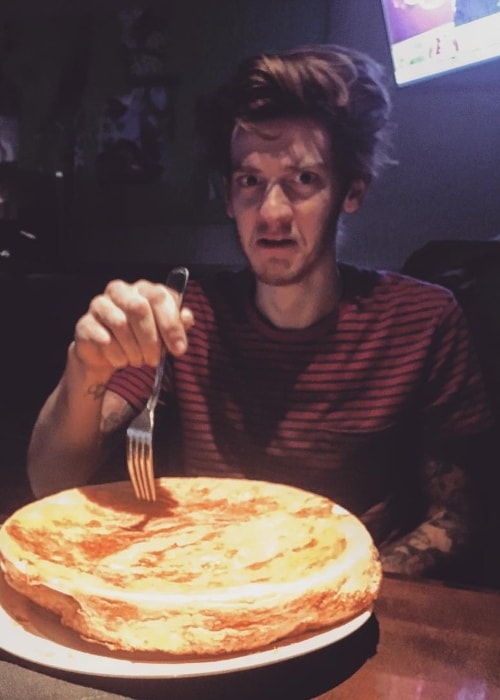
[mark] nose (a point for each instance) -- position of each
(275, 205)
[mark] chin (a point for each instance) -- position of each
(283, 270)
(280, 278)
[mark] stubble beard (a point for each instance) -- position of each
(281, 273)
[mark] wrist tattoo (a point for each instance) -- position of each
(97, 391)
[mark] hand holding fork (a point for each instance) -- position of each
(140, 430)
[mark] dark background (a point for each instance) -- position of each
(67, 59)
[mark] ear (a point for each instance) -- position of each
(228, 199)
(354, 197)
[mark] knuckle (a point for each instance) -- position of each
(83, 325)
(98, 305)
(95, 303)
(118, 323)
(137, 305)
(114, 287)
(161, 295)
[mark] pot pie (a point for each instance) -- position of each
(213, 566)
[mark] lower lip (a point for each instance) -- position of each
(276, 245)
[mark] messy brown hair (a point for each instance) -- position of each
(341, 88)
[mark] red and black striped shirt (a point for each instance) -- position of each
(343, 408)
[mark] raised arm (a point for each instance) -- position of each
(126, 325)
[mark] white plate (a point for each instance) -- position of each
(33, 634)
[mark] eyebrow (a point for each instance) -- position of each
(319, 165)
(248, 168)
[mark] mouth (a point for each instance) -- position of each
(275, 243)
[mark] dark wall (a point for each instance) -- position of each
(447, 183)
(447, 143)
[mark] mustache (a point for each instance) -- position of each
(277, 230)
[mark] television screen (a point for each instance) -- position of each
(431, 37)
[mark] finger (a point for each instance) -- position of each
(95, 346)
(116, 321)
(139, 336)
(164, 302)
(187, 318)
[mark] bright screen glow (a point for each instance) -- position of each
(431, 37)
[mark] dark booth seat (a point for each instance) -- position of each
(471, 270)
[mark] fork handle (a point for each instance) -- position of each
(177, 280)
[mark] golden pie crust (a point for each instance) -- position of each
(214, 566)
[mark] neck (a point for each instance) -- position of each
(303, 303)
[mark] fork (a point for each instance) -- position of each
(140, 430)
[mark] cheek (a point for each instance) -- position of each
(244, 220)
(242, 211)
(316, 216)
(246, 201)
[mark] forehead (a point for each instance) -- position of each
(294, 142)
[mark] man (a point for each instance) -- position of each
(359, 385)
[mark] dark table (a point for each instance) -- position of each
(425, 640)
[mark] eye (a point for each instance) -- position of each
(306, 177)
(247, 181)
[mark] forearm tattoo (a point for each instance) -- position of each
(112, 441)
(446, 531)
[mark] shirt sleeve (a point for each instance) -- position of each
(455, 397)
(134, 384)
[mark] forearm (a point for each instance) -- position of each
(66, 446)
(430, 547)
(447, 532)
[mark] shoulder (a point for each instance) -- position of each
(386, 292)
(365, 283)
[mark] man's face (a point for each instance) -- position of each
(286, 197)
